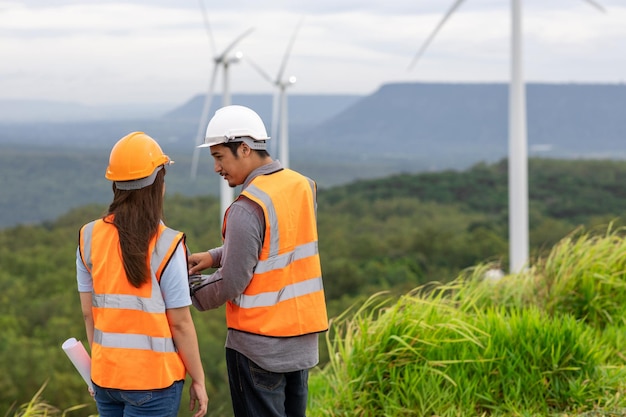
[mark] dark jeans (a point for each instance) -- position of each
(256, 392)
(126, 403)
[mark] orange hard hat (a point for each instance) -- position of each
(136, 156)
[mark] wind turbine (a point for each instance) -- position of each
(518, 142)
(223, 61)
(279, 103)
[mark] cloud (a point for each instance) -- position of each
(156, 50)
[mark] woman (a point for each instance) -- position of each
(132, 280)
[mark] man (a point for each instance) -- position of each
(269, 273)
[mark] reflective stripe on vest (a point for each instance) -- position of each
(285, 296)
(268, 299)
(133, 341)
(85, 250)
(146, 357)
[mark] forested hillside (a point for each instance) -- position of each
(393, 233)
(39, 184)
(48, 168)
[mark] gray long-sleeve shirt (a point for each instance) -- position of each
(236, 261)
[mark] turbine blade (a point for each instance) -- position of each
(275, 114)
(596, 5)
(205, 17)
(284, 127)
(449, 13)
(235, 42)
(204, 119)
(279, 77)
(259, 69)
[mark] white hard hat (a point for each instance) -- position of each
(236, 124)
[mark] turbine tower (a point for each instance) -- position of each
(223, 61)
(518, 141)
(279, 103)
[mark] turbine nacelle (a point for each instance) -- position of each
(288, 82)
(235, 58)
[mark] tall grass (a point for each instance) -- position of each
(547, 341)
(38, 407)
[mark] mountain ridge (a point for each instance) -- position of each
(48, 168)
(474, 117)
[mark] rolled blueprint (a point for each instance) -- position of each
(79, 357)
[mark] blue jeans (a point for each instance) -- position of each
(130, 403)
(256, 392)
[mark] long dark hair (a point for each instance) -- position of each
(136, 215)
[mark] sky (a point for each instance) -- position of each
(99, 52)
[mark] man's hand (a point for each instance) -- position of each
(198, 262)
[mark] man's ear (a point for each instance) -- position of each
(245, 149)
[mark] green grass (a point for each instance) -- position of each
(547, 341)
(38, 407)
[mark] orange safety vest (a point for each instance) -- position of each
(285, 296)
(132, 346)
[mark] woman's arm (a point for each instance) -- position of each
(186, 340)
(85, 305)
